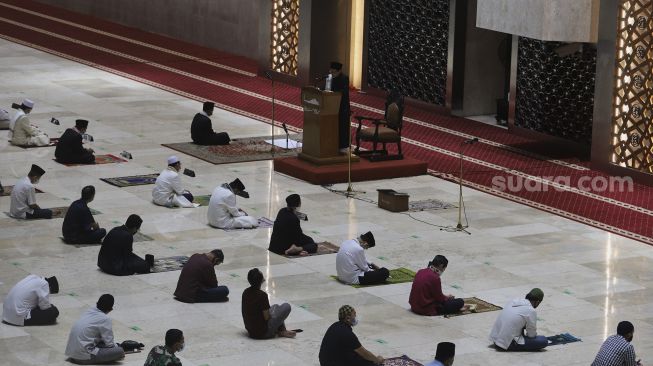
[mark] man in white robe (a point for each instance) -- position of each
(167, 188)
(223, 212)
(23, 133)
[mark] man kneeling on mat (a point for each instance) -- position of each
(516, 327)
(263, 321)
(197, 281)
(352, 266)
(426, 297)
(287, 236)
(117, 256)
(28, 302)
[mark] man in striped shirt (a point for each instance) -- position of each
(617, 349)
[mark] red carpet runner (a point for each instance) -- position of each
(201, 73)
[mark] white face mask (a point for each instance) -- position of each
(354, 322)
(182, 347)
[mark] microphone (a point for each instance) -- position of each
(470, 141)
(268, 74)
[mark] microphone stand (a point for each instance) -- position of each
(461, 203)
(350, 191)
(285, 129)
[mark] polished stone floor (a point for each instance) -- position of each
(591, 279)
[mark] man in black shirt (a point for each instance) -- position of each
(263, 321)
(70, 149)
(340, 83)
(117, 256)
(79, 226)
(201, 130)
(287, 236)
(340, 346)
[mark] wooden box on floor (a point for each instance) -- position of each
(391, 200)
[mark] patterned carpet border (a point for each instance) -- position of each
(131, 180)
(238, 151)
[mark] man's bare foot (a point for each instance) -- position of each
(303, 253)
(294, 250)
(287, 334)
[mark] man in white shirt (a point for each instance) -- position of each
(23, 132)
(516, 327)
(28, 302)
(223, 212)
(352, 266)
(167, 188)
(444, 355)
(23, 197)
(91, 339)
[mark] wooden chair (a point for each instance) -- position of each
(385, 131)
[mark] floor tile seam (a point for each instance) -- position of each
(129, 40)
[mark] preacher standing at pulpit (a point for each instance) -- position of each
(340, 83)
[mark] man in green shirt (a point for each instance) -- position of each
(165, 355)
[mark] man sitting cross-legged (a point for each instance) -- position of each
(352, 266)
(23, 197)
(197, 280)
(79, 226)
(165, 355)
(516, 327)
(223, 212)
(167, 189)
(287, 236)
(28, 302)
(263, 321)
(426, 297)
(70, 147)
(117, 256)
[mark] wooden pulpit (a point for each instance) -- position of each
(320, 145)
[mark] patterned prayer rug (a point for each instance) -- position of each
(53, 142)
(562, 338)
(478, 306)
(169, 264)
(398, 275)
(263, 223)
(138, 237)
(9, 189)
(430, 204)
(101, 159)
(238, 151)
(322, 248)
(60, 212)
(132, 180)
(401, 361)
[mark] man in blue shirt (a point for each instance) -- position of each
(444, 355)
(79, 226)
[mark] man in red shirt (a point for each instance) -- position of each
(426, 297)
(197, 281)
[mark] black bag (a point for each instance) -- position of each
(131, 346)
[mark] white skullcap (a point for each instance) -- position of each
(173, 160)
(28, 103)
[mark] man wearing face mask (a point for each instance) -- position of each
(197, 281)
(223, 212)
(167, 189)
(165, 355)
(516, 327)
(23, 197)
(117, 256)
(617, 350)
(287, 236)
(340, 346)
(23, 132)
(426, 297)
(352, 266)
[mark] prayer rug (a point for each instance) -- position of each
(430, 204)
(132, 180)
(263, 223)
(142, 237)
(169, 263)
(60, 212)
(398, 275)
(400, 361)
(479, 306)
(8, 189)
(238, 151)
(202, 200)
(562, 338)
(102, 159)
(53, 142)
(322, 248)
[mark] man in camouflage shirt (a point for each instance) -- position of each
(165, 355)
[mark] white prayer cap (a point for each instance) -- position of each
(28, 103)
(173, 160)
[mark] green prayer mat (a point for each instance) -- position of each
(202, 200)
(399, 275)
(480, 307)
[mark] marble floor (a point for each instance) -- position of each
(591, 279)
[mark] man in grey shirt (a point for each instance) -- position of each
(91, 339)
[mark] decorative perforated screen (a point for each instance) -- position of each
(285, 36)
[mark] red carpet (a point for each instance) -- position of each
(200, 73)
(360, 171)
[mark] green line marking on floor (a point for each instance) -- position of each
(456, 287)
(171, 247)
(15, 263)
(567, 292)
(72, 294)
(381, 341)
(382, 258)
(233, 275)
(136, 328)
(414, 236)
